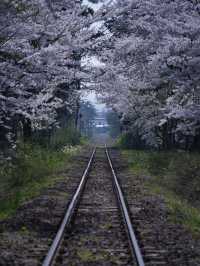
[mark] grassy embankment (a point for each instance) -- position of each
(34, 168)
(176, 176)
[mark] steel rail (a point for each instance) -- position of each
(131, 233)
(67, 218)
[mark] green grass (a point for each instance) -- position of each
(138, 160)
(181, 212)
(33, 169)
(65, 137)
(129, 141)
(176, 176)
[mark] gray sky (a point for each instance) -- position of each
(91, 97)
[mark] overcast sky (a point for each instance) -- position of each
(91, 97)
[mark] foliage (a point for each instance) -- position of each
(145, 59)
(41, 45)
(151, 69)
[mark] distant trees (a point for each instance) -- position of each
(113, 123)
(151, 74)
(87, 114)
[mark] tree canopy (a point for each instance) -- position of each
(41, 44)
(148, 67)
(151, 75)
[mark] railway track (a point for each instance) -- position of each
(96, 229)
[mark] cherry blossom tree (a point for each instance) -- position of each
(152, 69)
(41, 44)
(148, 69)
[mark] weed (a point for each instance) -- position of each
(87, 255)
(65, 137)
(33, 168)
(174, 174)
